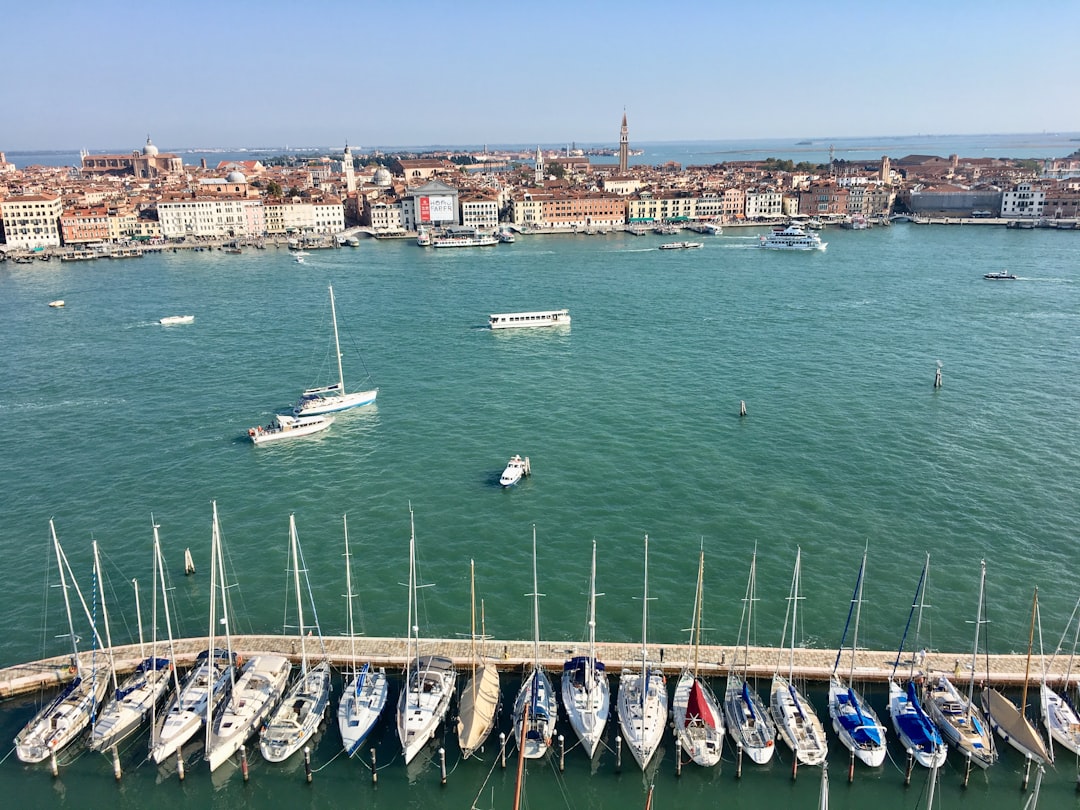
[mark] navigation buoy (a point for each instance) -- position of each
(742, 407)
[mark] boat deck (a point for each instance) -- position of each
(715, 661)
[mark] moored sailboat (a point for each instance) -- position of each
(643, 698)
(479, 703)
(796, 720)
(586, 694)
(748, 722)
(854, 721)
(334, 397)
(1059, 716)
(695, 713)
(301, 712)
(364, 697)
(535, 708)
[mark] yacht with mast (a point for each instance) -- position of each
(535, 708)
(1059, 716)
(586, 694)
(478, 706)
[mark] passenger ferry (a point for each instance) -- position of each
(520, 320)
(792, 237)
(680, 245)
(463, 237)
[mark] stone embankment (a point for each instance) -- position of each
(715, 661)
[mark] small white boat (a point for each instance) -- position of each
(57, 304)
(518, 320)
(289, 427)
(680, 245)
(505, 235)
(999, 275)
(516, 467)
(176, 320)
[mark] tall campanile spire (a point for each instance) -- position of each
(624, 146)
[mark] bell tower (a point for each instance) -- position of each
(624, 146)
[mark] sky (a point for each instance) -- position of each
(237, 73)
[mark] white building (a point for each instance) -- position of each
(211, 217)
(480, 211)
(384, 216)
(328, 215)
(32, 221)
(768, 203)
(1025, 200)
(433, 204)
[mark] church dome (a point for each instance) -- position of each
(235, 177)
(149, 150)
(383, 176)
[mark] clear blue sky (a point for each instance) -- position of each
(236, 73)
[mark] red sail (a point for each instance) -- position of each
(697, 707)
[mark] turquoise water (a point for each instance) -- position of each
(630, 419)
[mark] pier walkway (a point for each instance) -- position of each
(714, 661)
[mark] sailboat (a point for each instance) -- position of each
(912, 724)
(695, 713)
(254, 693)
(60, 721)
(330, 398)
(535, 728)
(479, 704)
(429, 680)
(586, 694)
(643, 698)
(796, 720)
(855, 723)
(301, 712)
(1058, 714)
(748, 722)
(205, 685)
(364, 696)
(137, 697)
(956, 715)
(1009, 720)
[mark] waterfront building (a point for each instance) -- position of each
(324, 215)
(432, 204)
(32, 220)
(1023, 200)
(1062, 202)
(480, 209)
(328, 214)
(382, 214)
(565, 210)
(188, 215)
(661, 206)
(147, 164)
(951, 200)
(764, 203)
(81, 226)
(824, 198)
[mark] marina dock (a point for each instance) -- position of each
(514, 656)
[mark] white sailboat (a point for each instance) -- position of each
(748, 722)
(535, 708)
(429, 680)
(254, 693)
(956, 715)
(133, 701)
(695, 713)
(854, 721)
(479, 703)
(1009, 720)
(301, 712)
(331, 398)
(796, 720)
(643, 697)
(1058, 714)
(60, 721)
(365, 693)
(912, 724)
(586, 694)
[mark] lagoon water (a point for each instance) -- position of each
(630, 419)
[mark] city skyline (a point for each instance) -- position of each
(247, 74)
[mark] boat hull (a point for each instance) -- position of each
(253, 698)
(643, 710)
(138, 695)
(961, 723)
(797, 723)
(360, 707)
(1013, 727)
(58, 724)
(747, 721)
(423, 703)
(478, 708)
(299, 716)
(915, 729)
(856, 724)
(535, 732)
(324, 405)
(1060, 718)
(699, 728)
(587, 702)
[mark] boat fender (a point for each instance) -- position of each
(239, 661)
(251, 431)
(72, 669)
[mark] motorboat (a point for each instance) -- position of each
(525, 320)
(793, 237)
(680, 245)
(998, 275)
(289, 427)
(505, 235)
(176, 320)
(57, 304)
(516, 467)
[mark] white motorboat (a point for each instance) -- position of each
(643, 697)
(254, 695)
(332, 398)
(695, 713)
(680, 245)
(535, 708)
(301, 712)
(515, 469)
(423, 237)
(364, 696)
(526, 320)
(429, 680)
(793, 237)
(506, 236)
(176, 320)
(289, 427)
(586, 694)
(57, 304)
(1000, 275)
(63, 719)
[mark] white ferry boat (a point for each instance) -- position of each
(793, 237)
(680, 245)
(463, 237)
(519, 320)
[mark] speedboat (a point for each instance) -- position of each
(288, 427)
(57, 304)
(176, 320)
(516, 467)
(1000, 275)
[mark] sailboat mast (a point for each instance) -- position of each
(749, 613)
(349, 595)
(592, 621)
(536, 608)
(644, 625)
(160, 576)
(67, 600)
(922, 606)
(337, 344)
(472, 624)
(978, 625)
(211, 657)
(697, 608)
(138, 617)
(858, 612)
(412, 601)
(104, 610)
(299, 602)
(1031, 639)
(794, 611)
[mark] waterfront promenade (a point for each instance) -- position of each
(714, 661)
